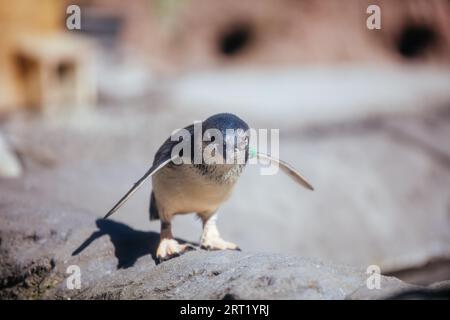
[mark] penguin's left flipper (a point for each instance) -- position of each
(288, 169)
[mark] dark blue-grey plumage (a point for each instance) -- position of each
(221, 122)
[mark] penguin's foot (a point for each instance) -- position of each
(217, 243)
(170, 248)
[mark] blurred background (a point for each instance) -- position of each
(364, 114)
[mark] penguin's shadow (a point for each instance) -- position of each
(129, 244)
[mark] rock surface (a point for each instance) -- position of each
(117, 262)
(238, 275)
(10, 166)
(120, 266)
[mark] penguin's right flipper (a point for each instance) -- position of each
(162, 158)
(155, 168)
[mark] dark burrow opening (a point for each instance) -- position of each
(235, 39)
(415, 39)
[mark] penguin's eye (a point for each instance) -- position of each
(245, 142)
(242, 144)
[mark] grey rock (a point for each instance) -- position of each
(10, 166)
(116, 262)
(238, 275)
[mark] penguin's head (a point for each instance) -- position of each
(227, 136)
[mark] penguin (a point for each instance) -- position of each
(184, 182)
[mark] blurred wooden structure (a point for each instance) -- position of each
(42, 66)
(55, 71)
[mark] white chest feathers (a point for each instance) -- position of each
(194, 188)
